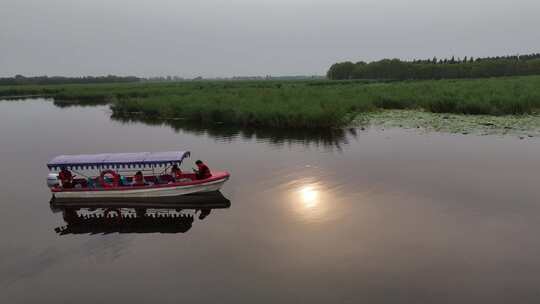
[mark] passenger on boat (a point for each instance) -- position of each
(138, 179)
(203, 172)
(176, 172)
(123, 181)
(66, 178)
(91, 182)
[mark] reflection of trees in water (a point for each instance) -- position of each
(320, 137)
(333, 137)
(80, 102)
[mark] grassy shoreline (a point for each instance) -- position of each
(297, 104)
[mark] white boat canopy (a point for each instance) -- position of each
(117, 160)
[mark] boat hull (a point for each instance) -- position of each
(145, 192)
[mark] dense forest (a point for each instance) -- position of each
(39, 80)
(435, 68)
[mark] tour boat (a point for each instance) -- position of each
(110, 175)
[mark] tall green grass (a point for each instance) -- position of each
(284, 107)
(297, 104)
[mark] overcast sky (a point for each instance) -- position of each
(252, 37)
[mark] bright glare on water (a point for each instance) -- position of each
(309, 196)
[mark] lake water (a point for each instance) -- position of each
(353, 216)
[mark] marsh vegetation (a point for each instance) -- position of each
(297, 104)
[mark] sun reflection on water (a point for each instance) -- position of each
(308, 200)
(309, 196)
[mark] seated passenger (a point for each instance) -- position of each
(123, 181)
(91, 182)
(138, 179)
(66, 178)
(176, 172)
(203, 171)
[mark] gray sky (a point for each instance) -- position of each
(251, 37)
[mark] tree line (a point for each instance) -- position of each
(41, 80)
(435, 68)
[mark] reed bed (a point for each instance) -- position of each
(299, 104)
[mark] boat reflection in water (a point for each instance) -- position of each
(146, 215)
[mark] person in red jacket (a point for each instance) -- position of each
(203, 170)
(138, 179)
(66, 178)
(176, 172)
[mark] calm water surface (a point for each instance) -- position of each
(373, 216)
